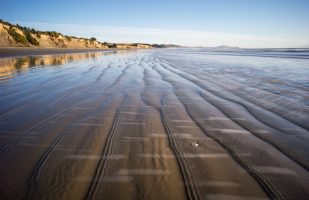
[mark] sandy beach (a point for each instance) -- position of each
(152, 124)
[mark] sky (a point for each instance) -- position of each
(243, 23)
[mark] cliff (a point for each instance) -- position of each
(18, 36)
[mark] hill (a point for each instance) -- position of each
(224, 48)
(19, 36)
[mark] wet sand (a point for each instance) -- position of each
(25, 51)
(153, 124)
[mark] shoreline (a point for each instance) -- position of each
(13, 52)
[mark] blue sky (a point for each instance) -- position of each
(246, 23)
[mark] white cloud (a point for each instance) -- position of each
(182, 37)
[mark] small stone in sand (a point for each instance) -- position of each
(195, 144)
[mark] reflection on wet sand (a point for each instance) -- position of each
(155, 124)
(11, 66)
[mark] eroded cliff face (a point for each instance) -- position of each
(16, 36)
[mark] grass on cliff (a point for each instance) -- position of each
(112, 45)
(25, 40)
(18, 37)
(31, 39)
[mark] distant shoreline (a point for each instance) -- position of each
(9, 52)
